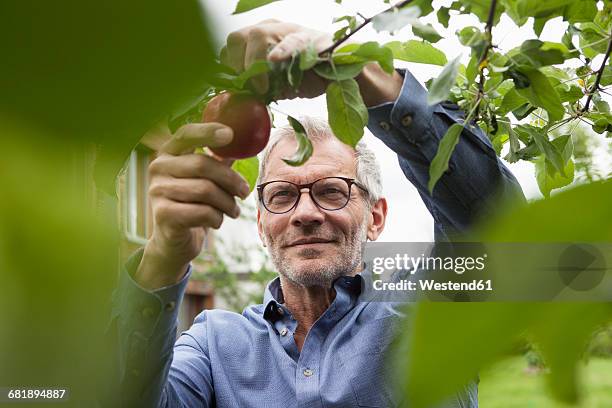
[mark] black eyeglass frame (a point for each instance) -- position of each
(349, 182)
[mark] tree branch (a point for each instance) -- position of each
(484, 55)
(365, 22)
(600, 72)
(488, 46)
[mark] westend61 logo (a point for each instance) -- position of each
(457, 264)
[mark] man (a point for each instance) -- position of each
(312, 343)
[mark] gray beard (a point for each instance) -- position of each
(324, 274)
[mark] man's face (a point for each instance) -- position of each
(288, 236)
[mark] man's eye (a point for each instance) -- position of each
(282, 195)
(331, 191)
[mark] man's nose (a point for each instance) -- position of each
(306, 212)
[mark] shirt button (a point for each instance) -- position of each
(280, 311)
(148, 312)
(406, 120)
(385, 126)
(170, 306)
(284, 331)
(308, 372)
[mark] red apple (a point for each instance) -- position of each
(249, 119)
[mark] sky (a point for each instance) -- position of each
(408, 218)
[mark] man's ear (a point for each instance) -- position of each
(377, 218)
(260, 228)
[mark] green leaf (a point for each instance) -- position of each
(470, 35)
(471, 71)
(443, 16)
(511, 101)
(439, 164)
(426, 32)
(249, 169)
(395, 19)
(474, 38)
(580, 11)
(424, 6)
(351, 24)
(338, 72)
(514, 144)
(347, 114)
(538, 135)
(440, 87)
(592, 40)
(308, 57)
(523, 111)
(247, 5)
(606, 77)
(549, 178)
(294, 73)
(304, 148)
(536, 53)
(257, 68)
(563, 144)
(541, 93)
(369, 51)
(538, 25)
(417, 51)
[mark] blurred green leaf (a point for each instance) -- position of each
(396, 19)
(485, 331)
(103, 72)
(249, 169)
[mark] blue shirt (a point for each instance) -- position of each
(251, 360)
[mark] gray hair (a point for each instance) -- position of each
(367, 168)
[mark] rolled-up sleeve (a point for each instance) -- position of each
(476, 177)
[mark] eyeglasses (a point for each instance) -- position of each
(329, 193)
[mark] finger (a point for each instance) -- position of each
(257, 49)
(292, 44)
(201, 166)
(236, 47)
(193, 135)
(187, 215)
(297, 42)
(198, 191)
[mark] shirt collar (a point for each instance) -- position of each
(273, 295)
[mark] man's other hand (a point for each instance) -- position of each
(275, 41)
